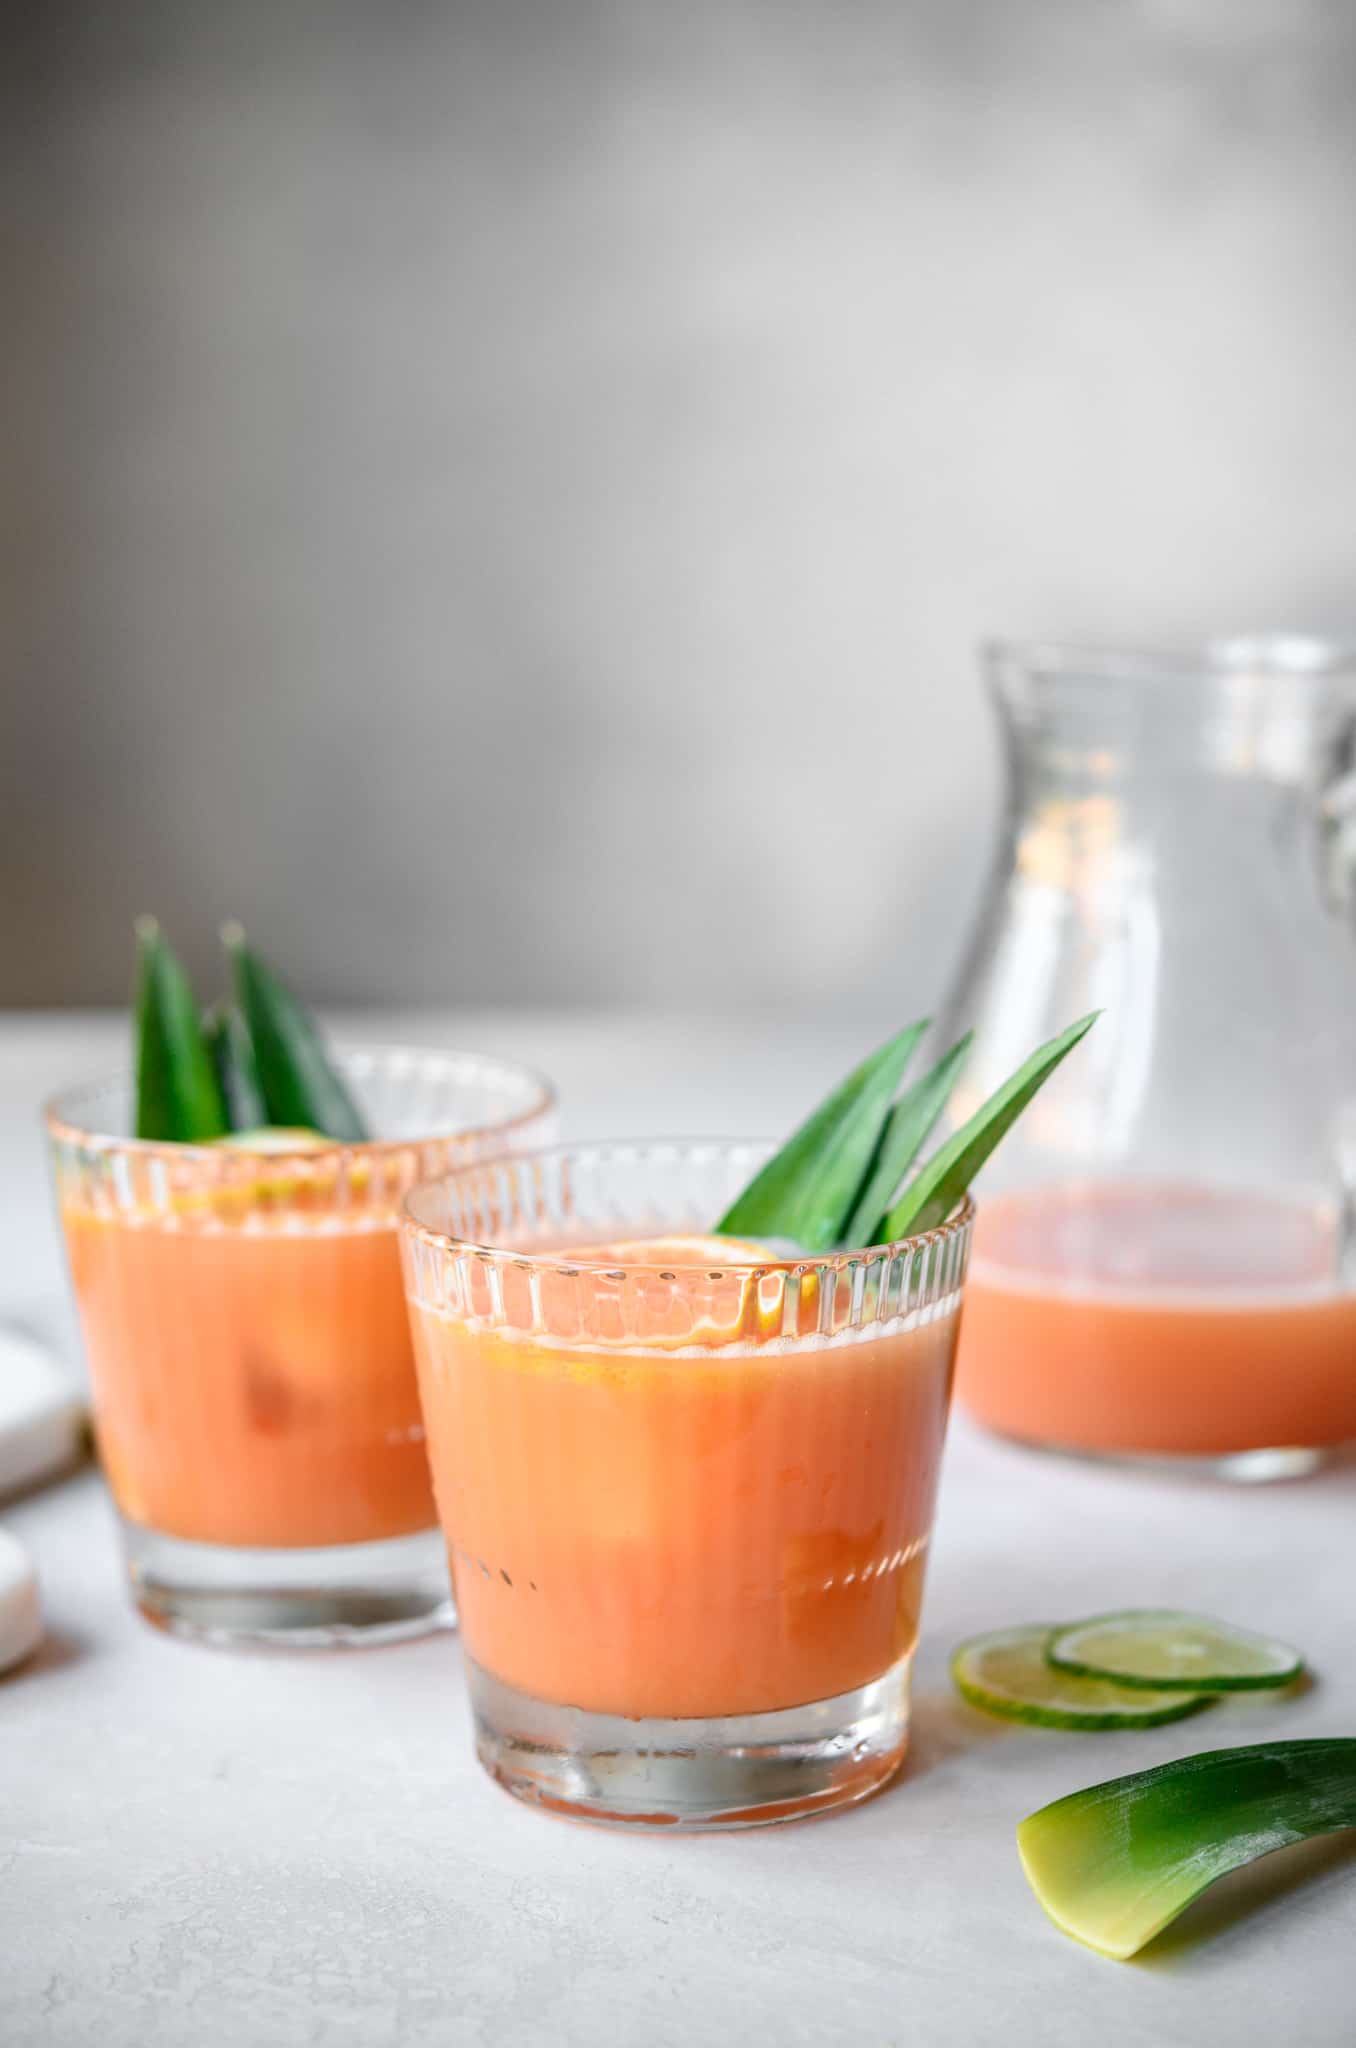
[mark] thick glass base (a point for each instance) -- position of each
(339, 1595)
(738, 1770)
(1241, 1468)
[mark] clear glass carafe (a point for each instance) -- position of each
(1163, 1262)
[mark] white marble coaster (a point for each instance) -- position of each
(42, 1418)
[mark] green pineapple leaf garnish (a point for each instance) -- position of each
(300, 1087)
(934, 1192)
(1113, 1865)
(907, 1128)
(808, 1191)
(832, 1179)
(178, 1095)
(233, 1057)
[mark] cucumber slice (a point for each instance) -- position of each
(1008, 1673)
(1114, 1864)
(1158, 1648)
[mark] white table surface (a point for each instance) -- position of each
(205, 1848)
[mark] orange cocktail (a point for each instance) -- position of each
(687, 1486)
(254, 1385)
(1160, 1320)
(252, 1368)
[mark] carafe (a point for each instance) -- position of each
(1163, 1256)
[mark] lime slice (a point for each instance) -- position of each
(1156, 1647)
(1007, 1672)
(275, 1138)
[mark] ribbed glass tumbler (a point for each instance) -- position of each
(687, 1485)
(254, 1388)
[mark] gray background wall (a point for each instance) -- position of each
(502, 496)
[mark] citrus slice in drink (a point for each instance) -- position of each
(274, 1138)
(676, 1250)
(309, 1186)
(1158, 1648)
(667, 1292)
(1007, 1673)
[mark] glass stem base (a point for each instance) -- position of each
(736, 1770)
(334, 1596)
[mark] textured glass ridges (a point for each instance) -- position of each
(435, 1110)
(492, 1244)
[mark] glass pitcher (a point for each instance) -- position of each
(1163, 1258)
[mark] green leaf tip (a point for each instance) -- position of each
(178, 1096)
(233, 1057)
(934, 1192)
(833, 1181)
(907, 1129)
(808, 1190)
(298, 1085)
(1113, 1865)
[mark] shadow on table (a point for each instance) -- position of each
(1278, 1885)
(942, 1726)
(58, 1647)
(74, 1468)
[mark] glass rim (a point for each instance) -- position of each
(1280, 656)
(414, 1225)
(60, 1113)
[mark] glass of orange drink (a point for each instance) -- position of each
(686, 1483)
(244, 1321)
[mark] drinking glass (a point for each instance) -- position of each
(687, 1489)
(244, 1320)
(1163, 1257)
